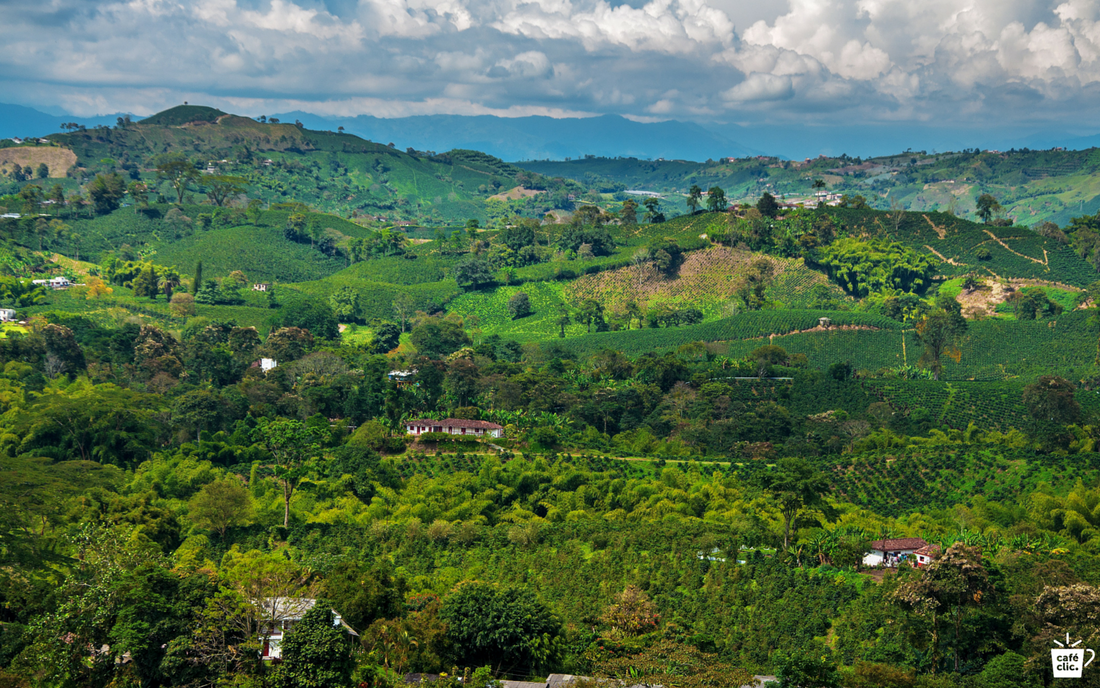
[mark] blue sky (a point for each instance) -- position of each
(996, 67)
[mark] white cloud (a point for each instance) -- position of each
(668, 26)
(879, 60)
(761, 87)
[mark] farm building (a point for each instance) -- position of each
(892, 552)
(925, 555)
(402, 378)
(454, 426)
(7, 314)
(282, 614)
(55, 282)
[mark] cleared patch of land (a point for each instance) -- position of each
(514, 194)
(59, 160)
(706, 279)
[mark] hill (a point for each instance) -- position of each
(334, 172)
(184, 114)
(536, 138)
(1032, 186)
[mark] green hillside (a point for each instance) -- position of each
(704, 419)
(261, 253)
(1032, 186)
(331, 171)
(184, 114)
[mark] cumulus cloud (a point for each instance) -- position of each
(761, 87)
(877, 60)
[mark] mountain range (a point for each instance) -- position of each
(548, 138)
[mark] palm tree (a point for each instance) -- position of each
(169, 280)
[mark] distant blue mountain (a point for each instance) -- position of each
(21, 121)
(542, 138)
(537, 138)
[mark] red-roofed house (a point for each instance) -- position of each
(454, 426)
(926, 554)
(892, 552)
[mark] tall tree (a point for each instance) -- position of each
(695, 194)
(564, 319)
(403, 307)
(939, 332)
(629, 213)
(716, 199)
(146, 283)
(221, 188)
(178, 171)
(139, 193)
(221, 505)
(953, 583)
(767, 205)
(653, 212)
(292, 447)
(986, 207)
(106, 190)
(345, 303)
(796, 486)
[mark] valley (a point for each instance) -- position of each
(681, 422)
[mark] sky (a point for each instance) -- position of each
(994, 66)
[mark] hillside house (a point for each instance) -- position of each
(7, 315)
(402, 378)
(261, 286)
(924, 556)
(454, 426)
(891, 553)
(282, 614)
(61, 282)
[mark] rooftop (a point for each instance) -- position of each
(456, 423)
(898, 545)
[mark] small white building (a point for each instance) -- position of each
(891, 553)
(260, 286)
(61, 282)
(454, 426)
(924, 556)
(282, 614)
(7, 315)
(267, 364)
(402, 378)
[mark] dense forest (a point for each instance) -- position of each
(707, 421)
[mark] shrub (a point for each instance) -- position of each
(183, 305)
(519, 306)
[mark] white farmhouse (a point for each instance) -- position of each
(890, 553)
(454, 426)
(281, 614)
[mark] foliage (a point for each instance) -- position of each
(519, 305)
(862, 267)
(315, 653)
(505, 627)
(221, 505)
